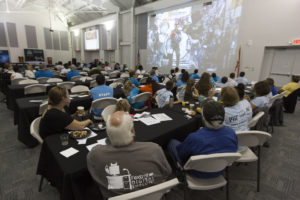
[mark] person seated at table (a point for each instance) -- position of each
(122, 166)
(237, 115)
(140, 70)
(231, 82)
(133, 78)
(183, 80)
(181, 73)
(56, 118)
(117, 66)
(190, 91)
(72, 73)
(66, 69)
(59, 66)
(130, 92)
(164, 95)
(213, 138)
(261, 95)
(101, 91)
(270, 81)
(172, 75)
(223, 83)
(215, 79)
(151, 86)
(177, 72)
(195, 75)
(43, 72)
(153, 76)
(94, 71)
(8, 68)
(122, 105)
(242, 79)
(290, 87)
(29, 72)
(17, 74)
(125, 68)
(204, 87)
(106, 66)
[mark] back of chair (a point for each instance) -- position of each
(114, 74)
(42, 80)
(75, 78)
(119, 80)
(211, 162)
(17, 81)
(93, 84)
(166, 80)
(180, 92)
(79, 88)
(143, 80)
(34, 129)
(282, 94)
(108, 111)
(94, 76)
(54, 80)
(42, 108)
(35, 89)
(145, 96)
(157, 101)
(103, 103)
(155, 192)
(252, 138)
(104, 73)
(67, 85)
(28, 81)
(263, 122)
(255, 119)
(115, 84)
(124, 75)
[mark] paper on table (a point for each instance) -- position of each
(143, 114)
(215, 98)
(89, 147)
(102, 141)
(149, 121)
(86, 95)
(36, 101)
(162, 117)
(69, 152)
(83, 141)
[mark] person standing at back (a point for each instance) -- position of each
(101, 91)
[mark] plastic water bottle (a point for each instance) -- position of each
(171, 103)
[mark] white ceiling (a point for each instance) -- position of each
(70, 12)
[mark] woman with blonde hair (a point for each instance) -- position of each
(130, 92)
(122, 105)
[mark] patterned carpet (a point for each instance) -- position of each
(280, 168)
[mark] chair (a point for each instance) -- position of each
(54, 80)
(143, 97)
(119, 80)
(143, 80)
(28, 81)
(157, 101)
(75, 78)
(79, 89)
(166, 80)
(17, 81)
(35, 89)
(124, 75)
(104, 73)
(67, 85)
(102, 104)
(155, 192)
(180, 92)
(108, 111)
(115, 84)
(255, 119)
(42, 108)
(93, 84)
(94, 76)
(248, 139)
(209, 163)
(42, 80)
(34, 129)
(83, 73)
(114, 74)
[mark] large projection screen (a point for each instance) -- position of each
(198, 36)
(91, 39)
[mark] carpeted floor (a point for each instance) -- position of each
(280, 168)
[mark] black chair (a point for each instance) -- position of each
(289, 102)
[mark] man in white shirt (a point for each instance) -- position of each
(242, 79)
(231, 82)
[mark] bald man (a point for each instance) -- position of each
(126, 165)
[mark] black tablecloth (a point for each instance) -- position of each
(26, 112)
(70, 175)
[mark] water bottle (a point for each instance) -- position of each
(171, 103)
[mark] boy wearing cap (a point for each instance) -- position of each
(213, 138)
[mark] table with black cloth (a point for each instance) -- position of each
(70, 175)
(26, 111)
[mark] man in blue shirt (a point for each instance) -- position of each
(72, 73)
(153, 76)
(133, 79)
(242, 79)
(215, 78)
(43, 72)
(213, 138)
(195, 75)
(101, 91)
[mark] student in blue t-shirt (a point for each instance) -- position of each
(164, 95)
(215, 78)
(101, 91)
(195, 75)
(133, 79)
(270, 81)
(181, 82)
(262, 98)
(213, 138)
(43, 72)
(242, 79)
(153, 76)
(130, 92)
(72, 73)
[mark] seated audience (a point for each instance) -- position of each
(290, 87)
(237, 115)
(43, 72)
(122, 105)
(130, 92)
(172, 75)
(180, 75)
(66, 69)
(151, 86)
(112, 166)
(215, 78)
(190, 91)
(261, 91)
(17, 74)
(153, 76)
(29, 72)
(106, 66)
(94, 71)
(270, 81)
(231, 82)
(164, 95)
(117, 66)
(59, 66)
(223, 83)
(183, 80)
(125, 68)
(57, 119)
(204, 87)
(177, 73)
(242, 79)
(8, 68)
(195, 75)
(140, 70)
(213, 138)
(290, 97)
(72, 73)
(101, 91)
(133, 78)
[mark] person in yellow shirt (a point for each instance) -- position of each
(290, 87)
(290, 98)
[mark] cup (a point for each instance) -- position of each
(198, 109)
(64, 138)
(192, 106)
(80, 110)
(183, 103)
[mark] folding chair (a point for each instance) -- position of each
(102, 104)
(79, 89)
(42, 80)
(54, 80)
(67, 85)
(28, 81)
(17, 81)
(42, 108)
(108, 110)
(35, 89)
(255, 119)
(76, 78)
(143, 97)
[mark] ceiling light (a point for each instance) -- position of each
(109, 25)
(76, 32)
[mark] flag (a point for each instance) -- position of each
(238, 63)
(138, 57)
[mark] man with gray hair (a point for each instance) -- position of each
(213, 138)
(126, 165)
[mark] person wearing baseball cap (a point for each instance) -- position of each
(214, 137)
